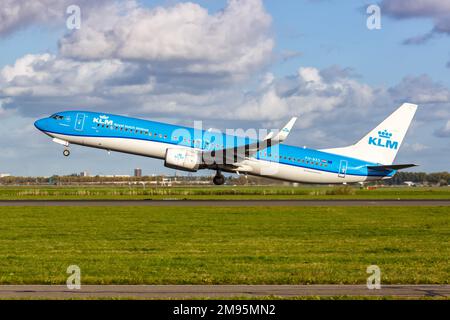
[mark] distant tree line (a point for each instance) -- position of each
(436, 178)
(80, 180)
(419, 178)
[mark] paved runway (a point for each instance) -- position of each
(217, 291)
(226, 203)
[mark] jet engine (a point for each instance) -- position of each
(182, 159)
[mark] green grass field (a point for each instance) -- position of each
(223, 193)
(167, 245)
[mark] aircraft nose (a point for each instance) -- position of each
(40, 124)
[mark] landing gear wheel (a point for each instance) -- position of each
(66, 152)
(219, 180)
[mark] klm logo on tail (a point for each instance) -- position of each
(383, 140)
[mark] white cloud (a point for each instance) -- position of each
(267, 106)
(183, 38)
(46, 75)
(267, 80)
(437, 10)
(16, 14)
(23, 67)
(421, 8)
(287, 55)
(444, 132)
(432, 97)
(309, 74)
(415, 147)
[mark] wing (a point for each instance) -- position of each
(239, 153)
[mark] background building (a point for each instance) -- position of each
(84, 174)
(138, 172)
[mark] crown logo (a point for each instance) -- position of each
(384, 134)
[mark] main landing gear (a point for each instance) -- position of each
(219, 179)
(66, 152)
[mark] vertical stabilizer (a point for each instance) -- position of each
(382, 143)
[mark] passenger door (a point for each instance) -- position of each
(79, 122)
(343, 169)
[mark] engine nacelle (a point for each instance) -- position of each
(182, 159)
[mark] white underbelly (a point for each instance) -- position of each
(135, 146)
(298, 174)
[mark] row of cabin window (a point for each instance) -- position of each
(135, 131)
(143, 132)
(321, 164)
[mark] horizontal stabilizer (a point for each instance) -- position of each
(391, 167)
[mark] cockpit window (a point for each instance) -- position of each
(57, 117)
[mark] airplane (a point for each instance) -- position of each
(189, 149)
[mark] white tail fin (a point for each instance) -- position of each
(382, 143)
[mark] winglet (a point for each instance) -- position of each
(283, 134)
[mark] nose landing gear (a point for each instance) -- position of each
(219, 179)
(66, 152)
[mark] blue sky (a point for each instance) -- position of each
(371, 71)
